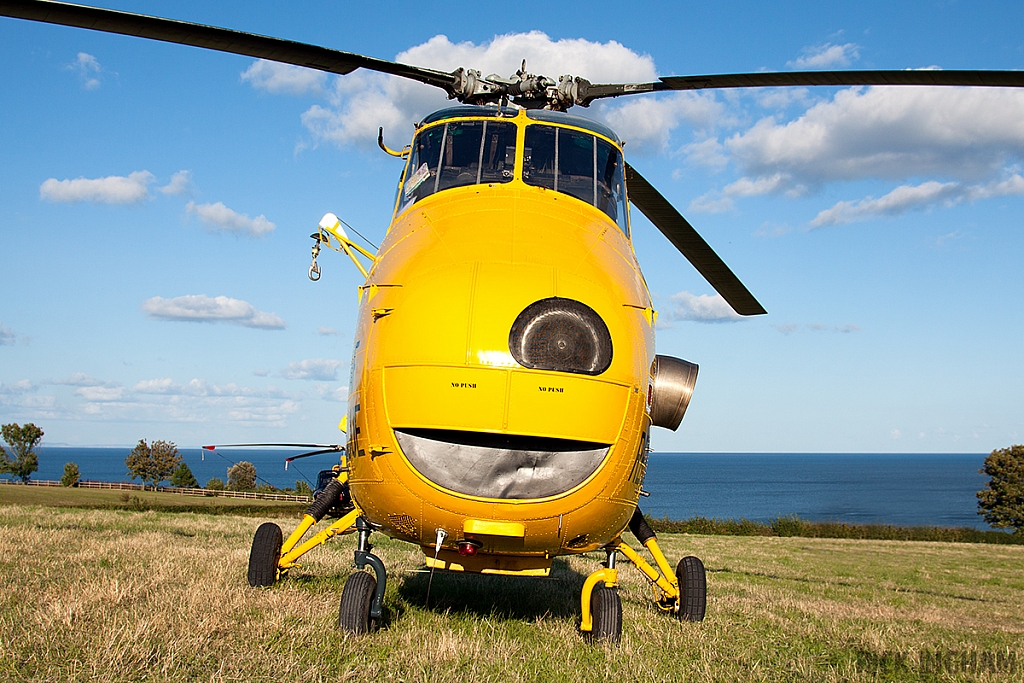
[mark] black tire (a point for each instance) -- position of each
(356, 596)
(693, 588)
(606, 611)
(266, 551)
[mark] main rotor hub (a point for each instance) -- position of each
(527, 90)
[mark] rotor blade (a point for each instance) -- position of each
(311, 453)
(213, 38)
(679, 232)
(989, 79)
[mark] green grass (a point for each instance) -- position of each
(121, 595)
(60, 496)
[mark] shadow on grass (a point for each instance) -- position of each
(503, 597)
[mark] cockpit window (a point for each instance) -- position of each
(578, 164)
(459, 153)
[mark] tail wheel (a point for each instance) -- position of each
(606, 611)
(266, 551)
(693, 587)
(354, 613)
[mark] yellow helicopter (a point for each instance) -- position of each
(504, 375)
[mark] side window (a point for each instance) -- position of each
(611, 195)
(421, 175)
(459, 153)
(460, 160)
(577, 164)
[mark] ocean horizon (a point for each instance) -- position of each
(907, 489)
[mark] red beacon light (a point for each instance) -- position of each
(468, 547)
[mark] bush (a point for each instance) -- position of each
(303, 489)
(1002, 500)
(183, 478)
(215, 484)
(22, 441)
(153, 463)
(71, 475)
(242, 476)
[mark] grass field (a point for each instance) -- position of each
(123, 595)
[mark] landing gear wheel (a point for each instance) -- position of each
(354, 613)
(606, 611)
(693, 589)
(266, 551)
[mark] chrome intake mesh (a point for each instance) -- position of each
(500, 466)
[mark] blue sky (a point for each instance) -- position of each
(156, 203)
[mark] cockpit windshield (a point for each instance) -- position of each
(464, 151)
(578, 164)
(459, 153)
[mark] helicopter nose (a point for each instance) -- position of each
(522, 362)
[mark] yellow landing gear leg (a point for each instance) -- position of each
(683, 592)
(271, 557)
(601, 607)
(345, 525)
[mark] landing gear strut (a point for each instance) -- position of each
(362, 597)
(682, 593)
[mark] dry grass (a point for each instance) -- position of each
(109, 595)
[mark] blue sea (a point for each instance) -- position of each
(903, 489)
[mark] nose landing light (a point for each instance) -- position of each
(562, 335)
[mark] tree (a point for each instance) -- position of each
(215, 484)
(302, 489)
(152, 463)
(183, 478)
(1002, 500)
(22, 442)
(242, 476)
(71, 475)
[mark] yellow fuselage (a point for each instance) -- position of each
(432, 356)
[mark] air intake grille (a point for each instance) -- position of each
(563, 335)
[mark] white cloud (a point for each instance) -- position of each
(646, 122)
(277, 78)
(157, 386)
(326, 331)
(221, 217)
(322, 369)
(201, 308)
(717, 202)
(703, 308)
(888, 133)
(7, 336)
(201, 388)
(20, 387)
(909, 197)
(180, 183)
(360, 102)
(337, 395)
(101, 394)
(88, 69)
(707, 152)
(826, 56)
(110, 190)
(81, 379)
(786, 328)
